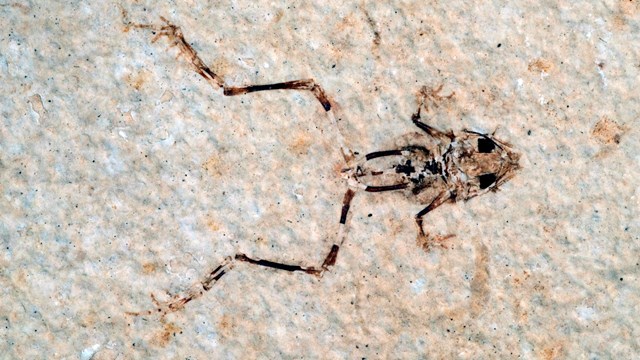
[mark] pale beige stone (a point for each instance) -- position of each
(124, 173)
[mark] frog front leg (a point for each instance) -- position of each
(424, 239)
(431, 97)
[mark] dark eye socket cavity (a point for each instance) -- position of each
(485, 145)
(487, 180)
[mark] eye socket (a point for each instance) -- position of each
(486, 180)
(485, 145)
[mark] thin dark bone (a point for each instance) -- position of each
(484, 136)
(441, 199)
(207, 283)
(308, 84)
(275, 265)
(386, 187)
(346, 203)
(177, 303)
(378, 154)
(176, 38)
(425, 240)
(329, 260)
(431, 131)
(424, 95)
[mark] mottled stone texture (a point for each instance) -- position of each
(124, 173)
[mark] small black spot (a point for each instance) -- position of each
(485, 145)
(486, 180)
(370, 215)
(499, 45)
(529, 132)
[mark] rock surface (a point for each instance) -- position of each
(124, 173)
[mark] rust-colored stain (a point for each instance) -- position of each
(137, 80)
(212, 224)
(300, 143)
(520, 304)
(629, 7)
(278, 16)
(607, 131)
(19, 279)
(149, 268)
(553, 352)
(619, 21)
(347, 23)
(213, 166)
(430, 243)
(540, 65)
(23, 8)
(374, 28)
(125, 15)
(480, 291)
(626, 10)
(226, 325)
(162, 338)
(518, 281)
